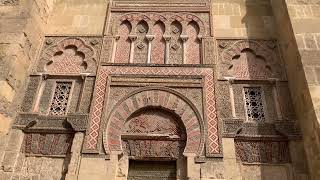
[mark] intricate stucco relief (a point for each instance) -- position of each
(156, 98)
(153, 133)
(9, 2)
(71, 55)
(35, 122)
(47, 144)
(262, 151)
(98, 103)
(249, 60)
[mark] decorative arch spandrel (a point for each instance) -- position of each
(250, 60)
(69, 55)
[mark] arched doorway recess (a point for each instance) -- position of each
(173, 113)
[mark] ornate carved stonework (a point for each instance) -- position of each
(141, 149)
(153, 133)
(250, 60)
(254, 104)
(167, 37)
(155, 98)
(59, 102)
(9, 2)
(47, 144)
(152, 121)
(91, 144)
(69, 55)
(262, 151)
(281, 129)
(35, 122)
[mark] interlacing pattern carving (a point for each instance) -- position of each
(47, 144)
(262, 151)
(254, 103)
(60, 98)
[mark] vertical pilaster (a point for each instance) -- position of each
(74, 164)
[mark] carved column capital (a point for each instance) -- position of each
(132, 37)
(167, 38)
(230, 79)
(149, 37)
(184, 38)
(117, 37)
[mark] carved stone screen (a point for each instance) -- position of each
(60, 99)
(153, 170)
(254, 103)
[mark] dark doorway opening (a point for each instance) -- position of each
(152, 170)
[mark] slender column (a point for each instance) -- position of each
(201, 49)
(233, 109)
(41, 89)
(132, 38)
(114, 49)
(184, 39)
(167, 38)
(149, 38)
(275, 97)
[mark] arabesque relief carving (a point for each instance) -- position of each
(250, 60)
(69, 55)
(153, 133)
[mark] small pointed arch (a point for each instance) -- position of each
(142, 27)
(176, 49)
(158, 43)
(193, 44)
(123, 43)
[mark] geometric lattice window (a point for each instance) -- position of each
(60, 99)
(254, 103)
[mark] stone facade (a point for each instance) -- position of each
(220, 89)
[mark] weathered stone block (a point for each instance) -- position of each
(212, 170)
(9, 161)
(15, 141)
(6, 91)
(310, 41)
